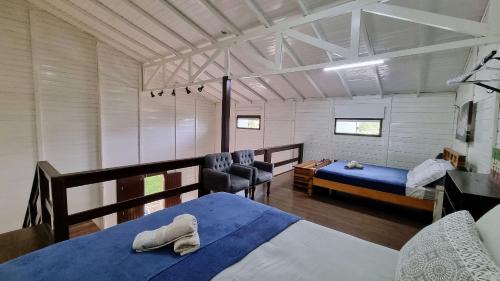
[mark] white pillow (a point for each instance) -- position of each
(447, 250)
(427, 172)
(489, 231)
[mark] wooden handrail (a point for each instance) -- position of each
(48, 179)
(127, 204)
(102, 175)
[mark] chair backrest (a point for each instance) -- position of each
(220, 162)
(244, 157)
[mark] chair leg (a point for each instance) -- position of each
(253, 192)
(268, 188)
(246, 193)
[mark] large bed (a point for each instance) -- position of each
(243, 240)
(240, 240)
(383, 183)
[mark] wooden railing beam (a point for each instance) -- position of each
(48, 179)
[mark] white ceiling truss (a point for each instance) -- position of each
(181, 62)
(484, 35)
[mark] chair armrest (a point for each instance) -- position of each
(242, 171)
(265, 166)
(217, 181)
(254, 174)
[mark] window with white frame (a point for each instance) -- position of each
(358, 127)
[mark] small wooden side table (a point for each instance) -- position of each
(303, 173)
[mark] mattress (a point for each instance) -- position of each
(380, 178)
(307, 251)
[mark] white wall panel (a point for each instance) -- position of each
(279, 120)
(18, 146)
(413, 130)
(185, 132)
(157, 117)
(486, 116)
(119, 111)
(205, 126)
(313, 127)
(65, 64)
(420, 128)
(246, 138)
(364, 149)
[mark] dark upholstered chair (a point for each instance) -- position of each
(262, 171)
(219, 174)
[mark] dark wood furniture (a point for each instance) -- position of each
(20, 242)
(303, 173)
(126, 189)
(455, 158)
(469, 191)
(48, 181)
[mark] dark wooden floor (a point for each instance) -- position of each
(82, 229)
(384, 224)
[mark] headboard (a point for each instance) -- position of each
(456, 159)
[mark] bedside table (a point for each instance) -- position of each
(304, 172)
(469, 191)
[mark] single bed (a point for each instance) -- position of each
(382, 183)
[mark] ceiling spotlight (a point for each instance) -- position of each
(152, 94)
(200, 88)
(160, 93)
(188, 91)
(173, 93)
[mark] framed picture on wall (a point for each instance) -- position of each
(465, 126)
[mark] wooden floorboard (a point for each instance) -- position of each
(385, 224)
(83, 228)
(381, 223)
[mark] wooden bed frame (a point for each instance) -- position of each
(456, 159)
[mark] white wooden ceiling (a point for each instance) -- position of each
(149, 29)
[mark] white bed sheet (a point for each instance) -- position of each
(307, 251)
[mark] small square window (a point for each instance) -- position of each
(251, 122)
(358, 127)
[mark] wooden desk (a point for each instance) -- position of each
(303, 173)
(469, 191)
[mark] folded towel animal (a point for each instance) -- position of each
(353, 165)
(183, 226)
(187, 244)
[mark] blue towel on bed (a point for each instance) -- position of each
(229, 226)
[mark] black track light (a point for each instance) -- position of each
(152, 94)
(173, 93)
(200, 88)
(160, 93)
(188, 91)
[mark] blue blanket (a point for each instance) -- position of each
(229, 226)
(371, 176)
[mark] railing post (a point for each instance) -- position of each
(60, 209)
(301, 153)
(268, 155)
(201, 188)
(43, 183)
(32, 206)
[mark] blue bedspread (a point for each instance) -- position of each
(380, 178)
(229, 226)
